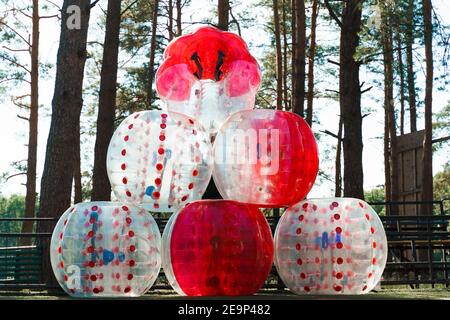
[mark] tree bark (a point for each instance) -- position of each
(56, 182)
(350, 100)
(101, 188)
(311, 58)
(170, 18)
(338, 170)
(410, 67)
(77, 185)
(279, 57)
(300, 56)
(30, 198)
(179, 8)
(151, 65)
(427, 159)
(388, 57)
(402, 80)
(285, 58)
(387, 165)
(223, 9)
(293, 54)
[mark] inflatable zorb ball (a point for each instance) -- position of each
(208, 74)
(217, 248)
(105, 249)
(159, 161)
(265, 157)
(330, 246)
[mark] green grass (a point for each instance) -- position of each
(388, 293)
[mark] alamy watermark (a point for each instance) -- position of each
(73, 277)
(74, 19)
(249, 147)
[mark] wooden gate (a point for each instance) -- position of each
(409, 155)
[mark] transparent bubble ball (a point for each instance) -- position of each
(105, 249)
(330, 246)
(159, 161)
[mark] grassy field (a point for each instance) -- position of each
(389, 293)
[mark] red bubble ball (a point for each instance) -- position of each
(265, 157)
(217, 248)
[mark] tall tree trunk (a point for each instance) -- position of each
(279, 71)
(151, 65)
(311, 58)
(285, 59)
(387, 165)
(77, 185)
(410, 67)
(30, 198)
(427, 160)
(279, 57)
(223, 9)
(56, 182)
(300, 56)
(338, 170)
(179, 8)
(170, 18)
(350, 100)
(388, 58)
(101, 188)
(293, 53)
(402, 80)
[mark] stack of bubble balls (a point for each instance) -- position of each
(213, 247)
(162, 161)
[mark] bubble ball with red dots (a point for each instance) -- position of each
(159, 161)
(105, 249)
(330, 246)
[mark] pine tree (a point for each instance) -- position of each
(350, 95)
(101, 188)
(56, 183)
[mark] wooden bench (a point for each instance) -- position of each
(20, 264)
(418, 249)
